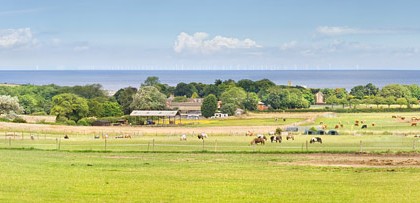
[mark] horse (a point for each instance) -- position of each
(262, 136)
(202, 136)
(183, 137)
(315, 139)
(66, 137)
(290, 137)
(96, 137)
(277, 138)
(258, 140)
(249, 133)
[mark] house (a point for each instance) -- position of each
(261, 106)
(319, 98)
(189, 107)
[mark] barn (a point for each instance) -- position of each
(170, 116)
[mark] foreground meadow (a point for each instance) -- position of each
(62, 176)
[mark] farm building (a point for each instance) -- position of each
(319, 98)
(261, 106)
(192, 107)
(171, 116)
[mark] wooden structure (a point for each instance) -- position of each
(170, 115)
(319, 98)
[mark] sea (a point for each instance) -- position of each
(113, 80)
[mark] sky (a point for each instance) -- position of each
(209, 34)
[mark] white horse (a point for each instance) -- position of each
(202, 136)
(183, 137)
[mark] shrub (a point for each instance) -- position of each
(18, 120)
(70, 122)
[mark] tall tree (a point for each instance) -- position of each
(69, 106)
(148, 98)
(234, 95)
(151, 81)
(9, 104)
(209, 106)
(124, 97)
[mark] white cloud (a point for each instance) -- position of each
(288, 45)
(334, 31)
(344, 30)
(200, 42)
(11, 38)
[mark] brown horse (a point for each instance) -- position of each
(258, 140)
(290, 137)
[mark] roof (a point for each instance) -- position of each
(154, 113)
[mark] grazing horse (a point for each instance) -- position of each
(66, 137)
(277, 138)
(290, 137)
(315, 139)
(96, 136)
(249, 133)
(202, 136)
(364, 126)
(183, 137)
(413, 124)
(258, 140)
(262, 136)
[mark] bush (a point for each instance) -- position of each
(278, 131)
(70, 122)
(41, 113)
(18, 120)
(86, 121)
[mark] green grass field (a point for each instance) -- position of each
(57, 176)
(224, 168)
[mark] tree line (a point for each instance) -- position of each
(76, 104)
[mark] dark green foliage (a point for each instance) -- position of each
(228, 108)
(209, 106)
(69, 106)
(124, 97)
(18, 120)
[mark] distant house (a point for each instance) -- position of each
(191, 107)
(261, 106)
(319, 98)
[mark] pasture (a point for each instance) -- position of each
(377, 164)
(62, 176)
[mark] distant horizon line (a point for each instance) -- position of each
(209, 69)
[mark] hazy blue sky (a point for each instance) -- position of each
(131, 34)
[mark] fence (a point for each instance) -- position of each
(170, 143)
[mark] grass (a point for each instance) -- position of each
(217, 143)
(233, 121)
(56, 176)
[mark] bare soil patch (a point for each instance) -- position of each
(358, 160)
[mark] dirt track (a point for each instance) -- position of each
(357, 160)
(233, 130)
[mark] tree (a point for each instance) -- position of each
(247, 85)
(355, 102)
(124, 97)
(389, 101)
(183, 89)
(229, 109)
(69, 106)
(111, 109)
(396, 90)
(211, 89)
(332, 100)
(148, 98)
(9, 104)
(209, 106)
(402, 101)
(86, 91)
(415, 90)
(251, 101)
(234, 95)
(378, 100)
(151, 81)
(412, 101)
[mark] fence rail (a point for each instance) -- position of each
(216, 144)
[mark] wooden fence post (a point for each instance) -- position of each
(361, 148)
(306, 145)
